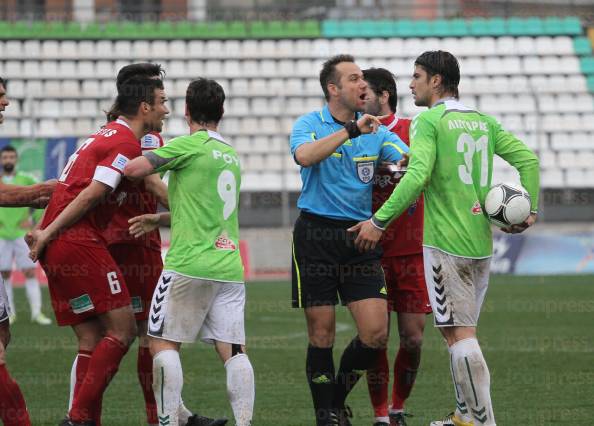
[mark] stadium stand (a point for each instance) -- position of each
(535, 74)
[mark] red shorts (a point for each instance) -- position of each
(405, 281)
(83, 281)
(142, 268)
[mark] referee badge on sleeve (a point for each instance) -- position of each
(365, 171)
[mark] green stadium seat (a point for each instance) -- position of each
(553, 26)
(440, 27)
(91, 30)
(349, 28)
(330, 28)
(478, 27)
(54, 29)
(163, 30)
(422, 28)
(587, 65)
(572, 25)
(257, 29)
(458, 28)
(20, 30)
(496, 27)
(311, 28)
(367, 28)
(237, 29)
(582, 46)
(385, 28)
(405, 28)
(73, 30)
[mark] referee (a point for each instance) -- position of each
(338, 149)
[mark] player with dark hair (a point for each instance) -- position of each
(403, 265)
(13, 410)
(139, 259)
(452, 161)
(87, 288)
(338, 149)
(201, 291)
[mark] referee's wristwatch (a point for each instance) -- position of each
(352, 129)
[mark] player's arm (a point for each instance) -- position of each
(146, 223)
(85, 201)
(308, 151)
(523, 159)
(157, 187)
(422, 160)
(138, 168)
(174, 155)
(36, 196)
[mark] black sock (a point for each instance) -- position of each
(356, 359)
(319, 367)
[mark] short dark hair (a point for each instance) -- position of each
(8, 148)
(141, 69)
(328, 73)
(380, 80)
(205, 99)
(442, 63)
(132, 92)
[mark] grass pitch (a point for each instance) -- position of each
(536, 334)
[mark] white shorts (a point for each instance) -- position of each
(17, 251)
(4, 305)
(183, 308)
(456, 287)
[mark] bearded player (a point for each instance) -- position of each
(403, 266)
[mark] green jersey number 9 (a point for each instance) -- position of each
(227, 189)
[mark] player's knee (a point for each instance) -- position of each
(321, 338)
(411, 342)
(375, 338)
(29, 273)
(125, 332)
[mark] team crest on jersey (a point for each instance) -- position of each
(224, 243)
(476, 208)
(149, 142)
(365, 171)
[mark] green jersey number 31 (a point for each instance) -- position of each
(468, 146)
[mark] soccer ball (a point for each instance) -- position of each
(507, 204)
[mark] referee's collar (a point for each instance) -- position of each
(326, 116)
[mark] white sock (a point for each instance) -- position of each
(474, 381)
(462, 410)
(168, 380)
(72, 382)
(10, 294)
(34, 296)
(183, 413)
(240, 388)
(382, 420)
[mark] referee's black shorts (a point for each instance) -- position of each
(327, 265)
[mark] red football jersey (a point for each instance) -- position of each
(139, 201)
(102, 157)
(404, 236)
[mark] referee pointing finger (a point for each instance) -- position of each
(338, 149)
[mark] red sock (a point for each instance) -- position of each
(82, 365)
(145, 377)
(103, 366)
(13, 410)
(377, 383)
(405, 373)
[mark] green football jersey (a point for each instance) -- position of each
(12, 217)
(203, 193)
(452, 150)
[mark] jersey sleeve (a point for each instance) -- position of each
(110, 169)
(422, 159)
(393, 148)
(303, 132)
(173, 156)
(523, 159)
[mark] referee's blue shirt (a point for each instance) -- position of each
(340, 186)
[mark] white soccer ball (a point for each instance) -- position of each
(507, 204)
